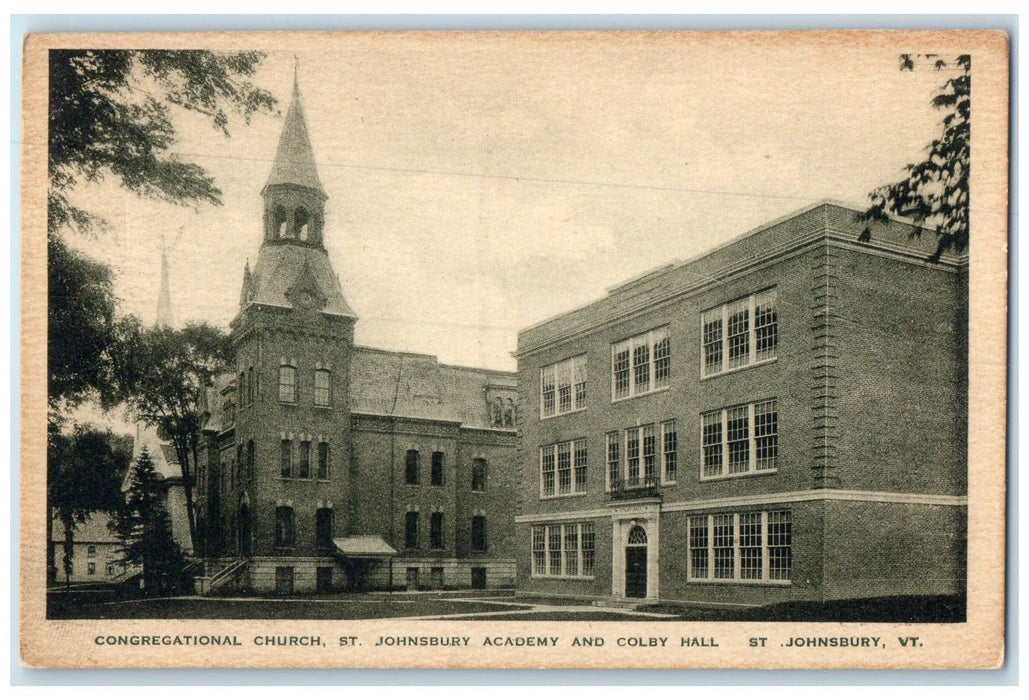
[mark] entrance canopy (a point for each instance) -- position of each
(363, 546)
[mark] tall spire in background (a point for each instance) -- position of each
(164, 310)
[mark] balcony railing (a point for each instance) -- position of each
(643, 487)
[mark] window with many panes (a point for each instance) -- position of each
(641, 364)
(650, 456)
(563, 387)
(478, 474)
(754, 546)
(740, 440)
(436, 530)
(287, 384)
(566, 550)
(740, 333)
(563, 468)
(436, 476)
(322, 387)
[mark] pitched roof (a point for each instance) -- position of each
(407, 385)
(294, 159)
(280, 267)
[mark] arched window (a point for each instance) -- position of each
(285, 535)
(301, 223)
(242, 388)
(250, 459)
(280, 222)
(436, 477)
(479, 533)
(286, 459)
(323, 461)
(478, 474)
(637, 535)
(323, 531)
(436, 531)
(287, 384)
(322, 387)
(411, 468)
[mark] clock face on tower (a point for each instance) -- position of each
(307, 299)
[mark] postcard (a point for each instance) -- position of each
(649, 350)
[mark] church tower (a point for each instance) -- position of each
(293, 341)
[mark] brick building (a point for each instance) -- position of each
(782, 418)
(327, 465)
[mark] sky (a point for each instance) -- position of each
(479, 185)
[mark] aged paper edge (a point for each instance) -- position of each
(977, 643)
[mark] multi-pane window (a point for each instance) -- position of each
(740, 440)
(411, 529)
(411, 467)
(478, 533)
(641, 364)
(478, 474)
(755, 546)
(285, 535)
(304, 471)
(563, 468)
(323, 460)
(436, 530)
(287, 384)
(669, 450)
(563, 387)
(740, 333)
(567, 549)
(650, 456)
(286, 459)
(436, 477)
(322, 387)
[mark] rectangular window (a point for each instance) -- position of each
(566, 550)
(91, 568)
(285, 534)
(322, 387)
(669, 451)
(287, 384)
(286, 459)
(436, 531)
(740, 333)
(754, 546)
(614, 460)
(411, 529)
(305, 460)
(563, 387)
(478, 533)
(323, 461)
(740, 440)
(649, 454)
(436, 478)
(632, 457)
(563, 468)
(411, 468)
(641, 364)
(478, 474)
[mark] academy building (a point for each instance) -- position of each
(329, 466)
(781, 418)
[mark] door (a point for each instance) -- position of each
(636, 572)
(478, 577)
(636, 564)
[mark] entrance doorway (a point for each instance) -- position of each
(636, 563)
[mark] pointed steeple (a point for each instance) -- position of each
(294, 158)
(164, 311)
(248, 287)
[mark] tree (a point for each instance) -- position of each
(161, 376)
(935, 191)
(144, 528)
(84, 474)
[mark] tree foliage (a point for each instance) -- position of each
(935, 192)
(162, 374)
(144, 528)
(85, 468)
(110, 114)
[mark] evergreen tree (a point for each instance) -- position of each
(144, 528)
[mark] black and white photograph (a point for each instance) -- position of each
(396, 349)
